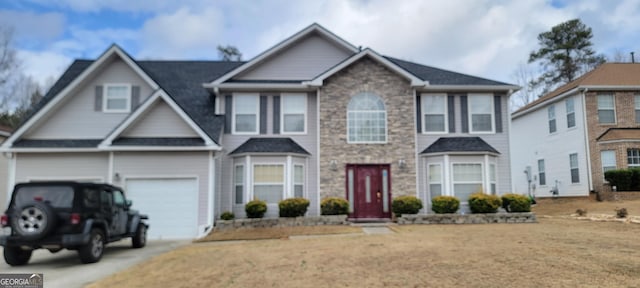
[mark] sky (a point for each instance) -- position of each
(487, 38)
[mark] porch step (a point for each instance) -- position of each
(376, 230)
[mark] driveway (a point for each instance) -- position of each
(63, 269)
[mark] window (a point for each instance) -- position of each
(434, 113)
(481, 111)
(637, 106)
(467, 179)
(118, 198)
(573, 163)
(294, 107)
(435, 180)
(633, 157)
(606, 109)
(117, 98)
(542, 179)
(571, 113)
(245, 110)
(552, 119)
(366, 119)
(268, 182)
(492, 178)
(608, 159)
(298, 181)
(239, 184)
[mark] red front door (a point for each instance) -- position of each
(369, 191)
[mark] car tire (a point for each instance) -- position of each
(15, 256)
(139, 239)
(92, 251)
(33, 220)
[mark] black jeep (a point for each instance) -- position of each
(68, 215)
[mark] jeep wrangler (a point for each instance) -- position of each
(68, 215)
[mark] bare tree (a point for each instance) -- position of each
(524, 77)
(619, 56)
(8, 61)
(229, 53)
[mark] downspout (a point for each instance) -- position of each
(513, 184)
(586, 137)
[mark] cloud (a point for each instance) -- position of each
(32, 27)
(43, 66)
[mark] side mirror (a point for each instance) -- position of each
(128, 203)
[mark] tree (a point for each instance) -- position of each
(229, 53)
(524, 77)
(565, 53)
(8, 61)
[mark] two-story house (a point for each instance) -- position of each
(567, 139)
(314, 116)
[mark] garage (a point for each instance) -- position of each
(171, 204)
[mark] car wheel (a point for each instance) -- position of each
(15, 256)
(92, 251)
(33, 220)
(139, 240)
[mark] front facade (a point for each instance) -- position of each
(312, 117)
(567, 139)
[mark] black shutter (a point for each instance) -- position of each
(263, 114)
(97, 106)
(418, 113)
(276, 114)
(497, 103)
(228, 106)
(464, 116)
(135, 97)
(451, 113)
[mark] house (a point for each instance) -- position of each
(5, 132)
(567, 139)
(314, 116)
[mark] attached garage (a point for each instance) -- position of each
(171, 203)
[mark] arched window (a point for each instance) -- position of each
(366, 119)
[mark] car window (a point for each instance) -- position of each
(118, 198)
(55, 195)
(91, 197)
(106, 198)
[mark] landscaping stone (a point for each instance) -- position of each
(224, 225)
(468, 218)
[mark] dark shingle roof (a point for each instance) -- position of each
(459, 144)
(270, 145)
(158, 142)
(55, 143)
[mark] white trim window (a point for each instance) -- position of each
(294, 113)
(481, 118)
(366, 119)
(608, 159)
(633, 157)
(434, 179)
(492, 179)
(637, 107)
(575, 171)
(298, 180)
(246, 110)
(467, 179)
(117, 98)
(434, 113)
(542, 176)
(606, 109)
(571, 113)
(551, 112)
(268, 182)
(238, 184)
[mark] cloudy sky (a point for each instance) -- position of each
(488, 38)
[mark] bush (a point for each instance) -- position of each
(445, 204)
(581, 212)
(255, 208)
(406, 205)
(484, 203)
(621, 178)
(516, 203)
(293, 207)
(621, 212)
(334, 206)
(227, 216)
(635, 179)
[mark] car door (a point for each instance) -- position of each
(120, 214)
(108, 209)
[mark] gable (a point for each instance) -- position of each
(75, 117)
(160, 121)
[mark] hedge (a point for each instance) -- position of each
(445, 204)
(334, 206)
(255, 208)
(406, 205)
(293, 207)
(484, 203)
(516, 203)
(624, 179)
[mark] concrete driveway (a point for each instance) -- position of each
(63, 269)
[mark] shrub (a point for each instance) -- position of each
(581, 212)
(293, 207)
(635, 179)
(255, 208)
(620, 178)
(516, 203)
(621, 212)
(406, 205)
(484, 203)
(227, 215)
(334, 206)
(445, 204)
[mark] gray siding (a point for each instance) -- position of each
(77, 118)
(160, 121)
(303, 61)
(61, 166)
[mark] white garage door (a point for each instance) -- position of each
(170, 203)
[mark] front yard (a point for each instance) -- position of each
(554, 253)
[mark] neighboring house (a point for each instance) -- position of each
(313, 117)
(5, 132)
(567, 139)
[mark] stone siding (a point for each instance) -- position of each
(225, 225)
(468, 219)
(367, 75)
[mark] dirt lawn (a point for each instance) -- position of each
(554, 253)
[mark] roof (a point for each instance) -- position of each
(270, 145)
(437, 76)
(61, 143)
(158, 141)
(613, 134)
(459, 144)
(605, 75)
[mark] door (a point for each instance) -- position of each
(121, 215)
(369, 191)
